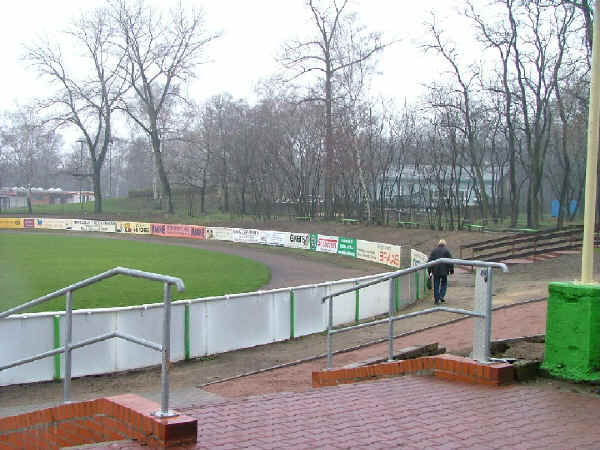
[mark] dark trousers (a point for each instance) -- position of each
(439, 287)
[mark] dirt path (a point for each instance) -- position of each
(524, 282)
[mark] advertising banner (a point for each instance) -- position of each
(388, 254)
(54, 224)
(103, 226)
(83, 225)
(159, 229)
(314, 238)
(134, 227)
(197, 232)
(299, 240)
(219, 233)
(366, 250)
(247, 236)
(417, 258)
(276, 238)
(172, 230)
(347, 246)
(107, 226)
(328, 244)
(28, 223)
(11, 223)
(178, 230)
(279, 238)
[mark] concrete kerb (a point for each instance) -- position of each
(367, 344)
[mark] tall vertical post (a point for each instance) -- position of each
(391, 321)
(166, 355)
(329, 327)
(482, 329)
(589, 219)
(68, 341)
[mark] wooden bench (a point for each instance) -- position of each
(474, 227)
(524, 230)
(351, 221)
(306, 219)
(408, 224)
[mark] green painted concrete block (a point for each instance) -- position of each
(573, 332)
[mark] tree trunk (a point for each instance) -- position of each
(164, 181)
(97, 189)
(29, 208)
(329, 207)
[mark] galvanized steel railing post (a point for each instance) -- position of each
(68, 330)
(166, 356)
(488, 317)
(483, 305)
(391, 322)
(68, 341)
(329, 327)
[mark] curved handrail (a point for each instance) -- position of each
(69, 346)
(178, 282)
(399, 273)
(484, 312)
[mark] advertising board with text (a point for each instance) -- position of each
(417, 258)
(11, 223)
(134, 227)
(53, 224)
(101, 226)
(378, 252)
(347, 246)
(219, 233)
(299, 240)
(327, 244)
(247, 236)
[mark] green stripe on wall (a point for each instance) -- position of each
(356, 303)
(56, 345)
(186, 331)
(292, 314)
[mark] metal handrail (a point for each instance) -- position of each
(69, 346)
(486, 315)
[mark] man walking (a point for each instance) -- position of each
(440, 271)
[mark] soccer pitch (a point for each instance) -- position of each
(32, 265)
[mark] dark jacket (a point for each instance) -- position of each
(440, 270)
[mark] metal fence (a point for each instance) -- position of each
(69, 346)
(482, 309)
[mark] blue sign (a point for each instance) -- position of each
(555, 208)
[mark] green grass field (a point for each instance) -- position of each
(140, 209)
(32, 265)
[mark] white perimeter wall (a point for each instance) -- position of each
(217, 324)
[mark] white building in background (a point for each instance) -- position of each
(411, 185)
(16, 197)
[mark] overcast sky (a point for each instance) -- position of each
(253, 31)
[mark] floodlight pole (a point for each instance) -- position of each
(589, 220)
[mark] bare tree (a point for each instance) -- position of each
(466, 106)
(162, 53)
(31, 149)
(88, 101)
(330, 52)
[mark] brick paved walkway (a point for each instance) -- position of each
(406, 412)
(516, 321)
